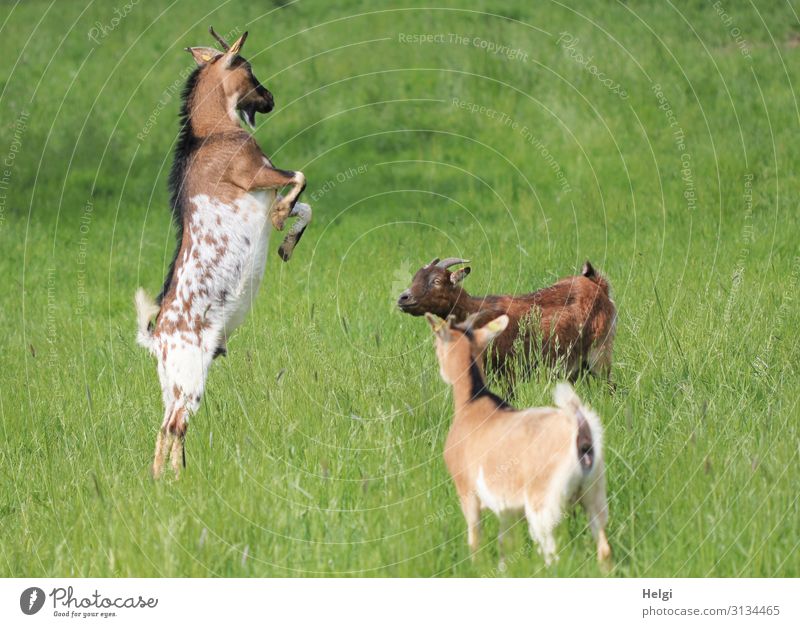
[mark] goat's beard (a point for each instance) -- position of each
(248, 115)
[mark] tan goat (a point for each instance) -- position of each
(535, 461)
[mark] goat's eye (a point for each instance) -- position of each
(437, 282)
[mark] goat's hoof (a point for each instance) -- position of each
(278, 218)
(604, 555)
(285, 251)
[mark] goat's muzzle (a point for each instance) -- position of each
(263, 101)
(407, 303)
(267, 102)
(263, 104)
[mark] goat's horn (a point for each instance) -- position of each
(221, 41)
(433, 262)
(451, 261)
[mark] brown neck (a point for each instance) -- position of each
(210, 113)
(465, 305)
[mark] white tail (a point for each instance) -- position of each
(146, 308)
(566, 398)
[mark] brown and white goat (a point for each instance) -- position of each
(224, 196)
(573, 320)
(535, 462)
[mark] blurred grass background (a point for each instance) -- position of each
(318, 448)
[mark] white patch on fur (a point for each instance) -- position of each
(494, 502)
(565, 397)
(541, 525)
(146, 309)
(186, 366)
(233, 100)
(222, 280)
(488, 500)
(562, 490)
(236, 274)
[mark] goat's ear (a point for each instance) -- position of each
(435, 321)
(458, 276)
(203, 55)
(235, 48)
(491, 330)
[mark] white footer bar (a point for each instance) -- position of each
(389, 602)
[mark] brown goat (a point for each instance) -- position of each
(225, 201)
(573, 320)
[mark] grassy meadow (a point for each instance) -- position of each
(659, 143)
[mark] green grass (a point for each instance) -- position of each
(318, 449)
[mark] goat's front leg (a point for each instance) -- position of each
(272, 178)
(471, 508)
(302, 212)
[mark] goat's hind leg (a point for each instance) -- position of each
(542, 522)
(169, 442)
(506, 522)
(600, 357)
(594, 503)
(163, 444)
(186, 405)
(188, 367)
(179, 421)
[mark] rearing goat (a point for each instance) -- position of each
(535, 461)
(224, 195)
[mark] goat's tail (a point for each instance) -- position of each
(595, 277)
(146, 308)
(589, 441)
